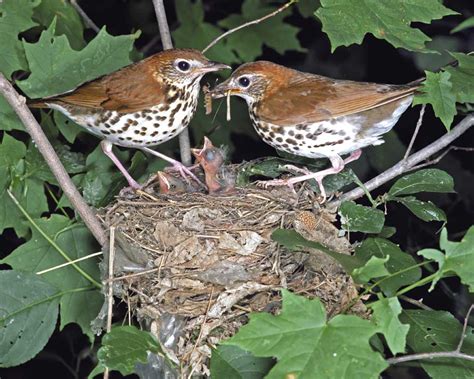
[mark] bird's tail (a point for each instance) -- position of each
(36, 104)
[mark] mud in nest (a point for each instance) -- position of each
(201, 263)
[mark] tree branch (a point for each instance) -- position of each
(17, 102)
(184, 143)
(253, 22)
(407, 164)
(439, 354)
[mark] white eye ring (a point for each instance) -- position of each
(183, 65)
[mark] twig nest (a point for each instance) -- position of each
(211, 261)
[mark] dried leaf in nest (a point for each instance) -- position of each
(215, 262)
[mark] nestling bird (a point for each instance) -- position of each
(314, 116)
(218, 178)
(170, 184)
(141, 105)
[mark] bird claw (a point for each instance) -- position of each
(185, 172)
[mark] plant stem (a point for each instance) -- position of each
(18, 104)
(52, 243)
(253, 22)
(184, 142)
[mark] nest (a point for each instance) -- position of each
(203, 262)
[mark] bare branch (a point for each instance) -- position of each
(17, 102)
(415, 133)
(91, 24)
(184, 142)
(439, 354)
(441, 156)
(464, 327)
(253, 22)
(411, 161)
(430, 356)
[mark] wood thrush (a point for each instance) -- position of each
(314, 116)
(141, 105)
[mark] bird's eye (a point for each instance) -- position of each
(244, 81)
(184, 66)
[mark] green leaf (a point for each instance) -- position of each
(102, 179)
(294, 241)
(69, 21)
(308, 7)
(424, 210)
(39, 254)
(461, 78)
(458, 258)
(273, 32)
(400, 264)
(68, 128)
(125, 346)
(28, 316)
(435, 331)
(466, 24)
(385, 316)
(387, 232)
(429, 180)
(304, 343)
(374, 268)
(348, 21)
(358, 218)
(191, 19)
(102, 55)
(231, 362)
(8, 118)
(437, 90)
(15, 17)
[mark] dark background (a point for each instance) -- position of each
(68, 355)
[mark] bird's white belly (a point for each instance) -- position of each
(148, 127)
(341, 135)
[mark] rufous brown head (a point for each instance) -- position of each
(182, 66)
(253, 81)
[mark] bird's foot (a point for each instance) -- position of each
(185, 172)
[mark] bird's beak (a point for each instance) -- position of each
(223, 89)
(163, 180)
(198, 152)
(213, 66)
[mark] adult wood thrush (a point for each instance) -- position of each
(141, 105)
(314, 116)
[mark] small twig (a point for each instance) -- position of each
(253, 22)
(69, 263)
(134, 275)
(91, 24)
(184, 142)
(110, 293)
(411, 161)
(17, 102)
(415, 132)
(441, 156)
(418, 303)
(441, 354)
(430, 356)
(464, 327)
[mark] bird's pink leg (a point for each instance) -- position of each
(337, 166)
(177, 166)
(107, 149)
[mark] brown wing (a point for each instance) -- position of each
(314, 98)
(130, 89)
